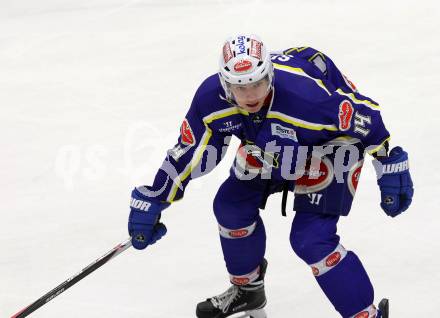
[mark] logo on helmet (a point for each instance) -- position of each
(345, 115)
(227, 52)
(256, 49)
(242, 66)
(241, 48)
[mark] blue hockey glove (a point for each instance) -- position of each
(394, 181)
(143, 222)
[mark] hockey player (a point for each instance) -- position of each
(276, 104)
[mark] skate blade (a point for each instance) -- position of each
(259, 313)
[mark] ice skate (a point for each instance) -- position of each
(238, 301)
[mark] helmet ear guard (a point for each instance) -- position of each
(244, 60)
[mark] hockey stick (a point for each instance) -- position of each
(73, 280)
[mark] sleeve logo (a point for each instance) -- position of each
(345, 114)
(186, 134)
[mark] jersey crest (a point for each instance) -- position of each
(315, 179)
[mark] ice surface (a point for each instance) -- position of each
(82, 81)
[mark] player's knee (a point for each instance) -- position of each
(302, 245)
(311, 247)
(223, 208)
(234, 214)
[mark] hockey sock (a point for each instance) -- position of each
(346, 284)
(339, 272)
(244, 248)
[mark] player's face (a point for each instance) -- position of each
(251, 97)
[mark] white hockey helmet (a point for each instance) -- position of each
(244, 60)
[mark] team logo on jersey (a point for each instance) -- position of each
(315, 271)
(283, 132)
(227, 52)
(255, 49)
(242, 66)
(186, 134)
(333, 259)
(314, 179)
(345, 115)
(353, 176)
(251, 158)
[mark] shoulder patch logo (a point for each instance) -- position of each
(186, 134)
(345, 115)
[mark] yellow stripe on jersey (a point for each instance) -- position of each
(299, 122)
(298, 49)
(197, 157)
(376, 149)
(222, 114)
(300, 72)
(364, 102)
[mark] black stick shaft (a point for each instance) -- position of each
(73, 280)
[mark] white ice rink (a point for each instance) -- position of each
(87, 89)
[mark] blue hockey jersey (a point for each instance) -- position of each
(312, 103)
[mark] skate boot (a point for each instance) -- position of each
(384, 308)
(241, 301)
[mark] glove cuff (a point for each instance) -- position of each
(145, 193)
(395, 164)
